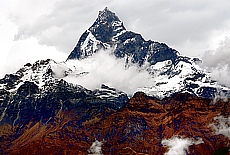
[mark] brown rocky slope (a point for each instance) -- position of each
(138, 128)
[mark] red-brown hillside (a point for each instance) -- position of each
(136, 129)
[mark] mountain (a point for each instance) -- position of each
(45, 110)
(172, 72)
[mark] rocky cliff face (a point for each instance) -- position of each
(43, 109)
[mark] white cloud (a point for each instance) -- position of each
(221, 73)
(185, 25)
(218, 62)
(95, 148)
(104, 67)
(218, 56)
(27, 51)
(179, 146)
(221, 126)
(24, 12)
(6, 38)
(13, 54)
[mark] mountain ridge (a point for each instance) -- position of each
(163, 63)
(108, 31)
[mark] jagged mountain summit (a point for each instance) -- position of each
(172, 72)
(109, 32)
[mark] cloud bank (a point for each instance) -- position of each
(104, 68)
(27, 51)
(218, 62)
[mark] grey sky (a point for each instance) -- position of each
(188, 26)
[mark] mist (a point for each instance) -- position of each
(179, 145)
(221, 126)
(95, 148)
(218, 63)
(104, 68)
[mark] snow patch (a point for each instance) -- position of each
(87, 44)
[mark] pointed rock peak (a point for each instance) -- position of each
(106, 10)
(106, 26)
(107, 16)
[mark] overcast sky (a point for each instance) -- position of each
(32, 29)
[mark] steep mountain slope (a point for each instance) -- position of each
(171, 71)
(34, 92)
(141, 126)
